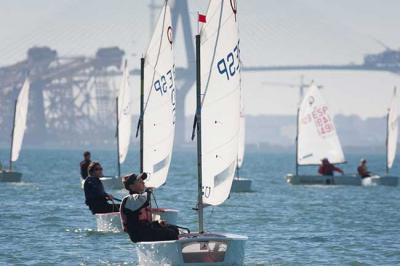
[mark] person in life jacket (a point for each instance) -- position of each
(326, 168)
(362, 169)
(136, 215)
(96, 197)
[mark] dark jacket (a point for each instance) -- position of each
(94, 193)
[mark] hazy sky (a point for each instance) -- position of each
(273, 32)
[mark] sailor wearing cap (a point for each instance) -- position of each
(136, 213)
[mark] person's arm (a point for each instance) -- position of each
(337, 169)
(366, 170)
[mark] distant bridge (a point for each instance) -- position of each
(72, 98)
(350, 67)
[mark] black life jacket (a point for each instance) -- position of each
(135, 222)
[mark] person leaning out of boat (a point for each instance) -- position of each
(96, 197)
(362, 169)
(326, 168)
(85, 164)
(136, 215)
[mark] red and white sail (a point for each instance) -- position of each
(317, 137)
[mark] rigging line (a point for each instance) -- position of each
(211, 213)
(158, 57)
(213, 57)
(154, 198)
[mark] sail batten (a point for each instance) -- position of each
(21, 113)
(317, 137)
(159, 102)
(392, 130)
(220, 100)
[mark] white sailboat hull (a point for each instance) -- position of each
(6, 176)
(241, 185)
(349, 180)
(194, 249)
(382, 180)
(111, 222)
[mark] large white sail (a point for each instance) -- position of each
(125, 98)
(242, 132)
(317, 137)
(21, 113)
(392, 130)
(159, 102)
(220, 98)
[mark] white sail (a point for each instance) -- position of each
(392, 130)
(317, 137)
(159, 102)
(242, 133)
(21, 113)
(125, 99)
(220, 97)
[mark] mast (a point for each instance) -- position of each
(297, 140)
(12, 133)
(198, 127)
(141, 111)
(117, 119)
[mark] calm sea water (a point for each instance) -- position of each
(44, 221)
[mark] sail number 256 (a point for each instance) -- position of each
(230, 65)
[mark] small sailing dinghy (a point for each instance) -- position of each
(217, 126)
(239, 183)
(17, 135)
(157, 120)
(391, 143)
(317, 139)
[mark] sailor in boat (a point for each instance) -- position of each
(362, 169)
(85, 164)
(326, 168)
(136, 215)
(96, 197)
